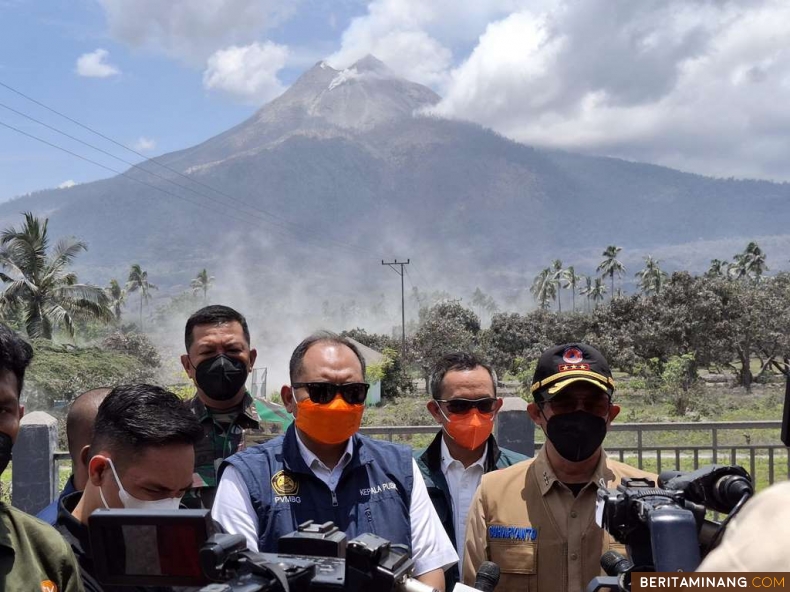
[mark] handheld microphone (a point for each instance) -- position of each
(485, 581)
(614, 563)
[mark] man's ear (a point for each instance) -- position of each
(187, 365)
(614, 411)
(85, 456)
(97, 466)
(253, 357)
(433, 409)
(21, 411)
(534, 413)
(498, 405)
(287, 395)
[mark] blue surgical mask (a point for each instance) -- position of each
(132, 503)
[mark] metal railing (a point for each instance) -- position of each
(767, 459)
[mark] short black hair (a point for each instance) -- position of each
(136, 416)
(15, 355)
(295, 366)
(456, 361)
(214, 314)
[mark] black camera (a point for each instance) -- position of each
(664, 526)
(180, 548)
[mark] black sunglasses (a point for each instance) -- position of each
(460, 406)
(354, 393)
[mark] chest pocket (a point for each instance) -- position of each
(514, 557)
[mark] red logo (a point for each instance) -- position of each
(573, 355)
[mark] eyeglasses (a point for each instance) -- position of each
(460, 406)
(597, 405)
(354, 393)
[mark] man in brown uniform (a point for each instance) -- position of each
(536, 519)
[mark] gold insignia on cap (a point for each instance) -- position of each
(284, 484)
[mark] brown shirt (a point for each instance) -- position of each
(542, 537)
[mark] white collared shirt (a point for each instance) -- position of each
(462, 483)
(430, 545)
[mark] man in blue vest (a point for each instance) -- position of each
(464, 403)
(323, 470)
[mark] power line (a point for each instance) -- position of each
(294, 226)
(392, 265)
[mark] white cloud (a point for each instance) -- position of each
(95, 65)
(693, 85)
(144, 144)
(67, 184)
(192, 30)
(248, 73)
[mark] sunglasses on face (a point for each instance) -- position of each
(354, 393)
(597, 405)
(460, 406)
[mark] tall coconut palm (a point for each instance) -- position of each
(117, 297)
(39, 286)
(571, 281)
(610, 265)
(598, 291)
(138, 282)
(586, 291)
(556, 279)
(202, 282)
(652, 277)
(543, 289)
(755, 260)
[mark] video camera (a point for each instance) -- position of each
(664, 527)
(180, 548)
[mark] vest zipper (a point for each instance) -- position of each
(334, 498)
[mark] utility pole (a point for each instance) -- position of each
(392, 265)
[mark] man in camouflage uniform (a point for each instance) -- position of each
(218, 360)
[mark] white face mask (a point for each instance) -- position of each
(132, 503)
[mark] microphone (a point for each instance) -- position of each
(485, 581)
(614, 563)
(487, 576)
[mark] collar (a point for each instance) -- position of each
(294, 462)
(77, 529)
(247, 419)
(448, 459)
(432, 457)
(311, 459)
(547, 478)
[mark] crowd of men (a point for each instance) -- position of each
(461, 501)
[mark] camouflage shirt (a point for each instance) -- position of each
(224, 433)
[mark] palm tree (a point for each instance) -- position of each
(598, 291)
(610, 265)
(117, 297)
(543, 289)
(556, 279)
(571, 281)
(587, 289)
(202, 282)
(40, 288)
(755, 260)
(652, 277)
(138, 282)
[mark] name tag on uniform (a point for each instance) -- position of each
(512, 533)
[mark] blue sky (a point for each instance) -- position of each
(684, 83)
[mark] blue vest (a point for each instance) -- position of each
(373, 494)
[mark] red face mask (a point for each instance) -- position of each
(468, 430)
(332, 423)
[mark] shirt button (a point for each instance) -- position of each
(573, 514)
(574, 556)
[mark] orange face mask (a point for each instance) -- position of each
(332, 423)
(469, 430)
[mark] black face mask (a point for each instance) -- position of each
(5, 450)
(221, 377)
(576, 435)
